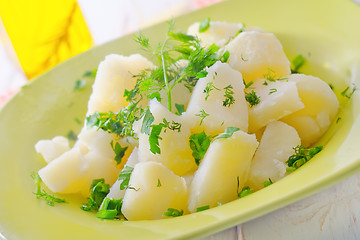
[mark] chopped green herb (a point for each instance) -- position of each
(119, 151)
(71, 135)
(90, 73)
(42, 194)
(180, 108)
(199, 144)
(208, 88)
(120, 123)
(338, 119)
(110, 209)
(225, 57)
(270, 75)
(201, 74)
(245, 191)
(242, 58)
(229, 96)
(79, 84)
(296, 63)
(173, 126)
(77, 120)
(252, 98)
(154, 95)
(158, 183)
(301, 156)
(229, 131)
(202, 115)
(331, 86)
(203, 208)
(154, 138)
(172, 212)
(268, 182)
(346, 94)
(125, 177)
(147, 121)
(249, 84)
(204, 25)
(98, 191)
(272, 90)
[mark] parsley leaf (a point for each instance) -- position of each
(204, 25)
(172, 212)
(125, 177)
(301, 156)
(119, 151)
(154, 138)
(147, 121)
(180, 108)
(79, 84)
(99, 189)
(110, 209)
(199, 144)
(229, 131)
(42, 194)
(348, 95)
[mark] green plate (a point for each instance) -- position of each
(326, 32)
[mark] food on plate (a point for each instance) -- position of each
(214, 115)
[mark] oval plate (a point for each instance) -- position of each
(325, 32)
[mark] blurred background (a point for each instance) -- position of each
(36, 35)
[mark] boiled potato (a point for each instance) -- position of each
(114, 75)
(51, 149)
(221, 75)
(175, 152)
(223, 171)
(276, 146)
(256, 54)
(321, 108)
(277, 99)
(218, 33)
(68, 173)
(154, 189)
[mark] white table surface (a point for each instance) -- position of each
(333, 213)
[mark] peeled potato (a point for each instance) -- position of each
(51, 149)
(256, 54)
(277, 99)
(114, 75)
(218, 32)
(154, 189)
(219, 116)
(223, 171)
(276, 146)
(321, 108)
(175, 152)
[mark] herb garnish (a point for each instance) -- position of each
(99, 189)
(199, 144)
(245, 191)
(42, 194)
(229, 96)
(204, 25)
(229, 131)
(125, 177)
(110, 209)
(203, 208)
(119, 151)
(172, 212)
(301, 156)
(268, 182)
(296, 63)
(348, 95)
(252, 98)
(202, 115)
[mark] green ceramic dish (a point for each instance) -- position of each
(324, 31)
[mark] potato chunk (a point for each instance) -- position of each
(219, 115)
(277, 99)
(114, 75)
(255, 53)
(154, 189)
(51, 149)
(175, 152)
(218, 33)
(321, 108)
(223, 171)
(276, 146)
